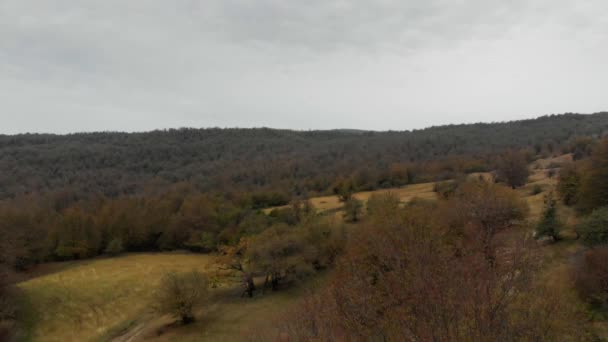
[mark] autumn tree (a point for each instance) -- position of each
(481, 210)
(513, 169)
(352, 210)
(405, 279)
(284, 254)
(181, 294)
(344, 189)
(76, 235)
(549, 224)
(594, 187)
(569, 183)
(591, 276)
(9, 307)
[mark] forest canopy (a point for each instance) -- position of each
(274, 164)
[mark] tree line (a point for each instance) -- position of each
(583, 185)
(275, 164)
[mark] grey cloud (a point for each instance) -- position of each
(136, 65)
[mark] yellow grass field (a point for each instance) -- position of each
(425, 190)
(88, 298)
(406, 194)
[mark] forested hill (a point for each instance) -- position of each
(263, 159)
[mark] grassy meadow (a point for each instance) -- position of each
(87, 299)
(405, 194)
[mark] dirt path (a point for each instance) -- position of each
(148, 327)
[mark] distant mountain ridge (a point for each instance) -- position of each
(215, 159)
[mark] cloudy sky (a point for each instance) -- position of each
(136, 65)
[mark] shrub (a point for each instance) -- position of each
(115, 247)
(513, 169)
(569, 183)
(593, 192)
(593, 230)
(536, 189)
(352, 210)
(403, 282)
(202, 241)
(445, 189)
(8, 306)
(549, 224)
(482, 210)
(180, 294)
(284, 254)
(378, 204)
(591, 277)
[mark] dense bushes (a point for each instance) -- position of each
(549, 224)
(114, 247)
(423, 274)
(9, 296)
(593, 230)
(181, 218)
(353, 209)
(569, 183)
(591, 277)
(585, 185)
(284, 254)
(181, 294)
(512, 169)
(593, 191)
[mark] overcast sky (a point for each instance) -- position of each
(68, 66)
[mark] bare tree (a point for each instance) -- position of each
(513, 169)
(180, 294)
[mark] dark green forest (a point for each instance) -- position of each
(272, 165)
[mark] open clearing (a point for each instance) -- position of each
(109, 300)
(406, 194)
(88, 298)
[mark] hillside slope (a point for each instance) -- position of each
(258, 159)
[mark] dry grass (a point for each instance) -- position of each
(406, 194)
(537, 202)
(236, 319)
(108, 300)
(546, 162)
(89, 298)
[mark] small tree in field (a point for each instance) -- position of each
(513, 169)
(180, 294)
(569, 183)
(352, 210)
(482, 210)
(115, 247)
(549, 224)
